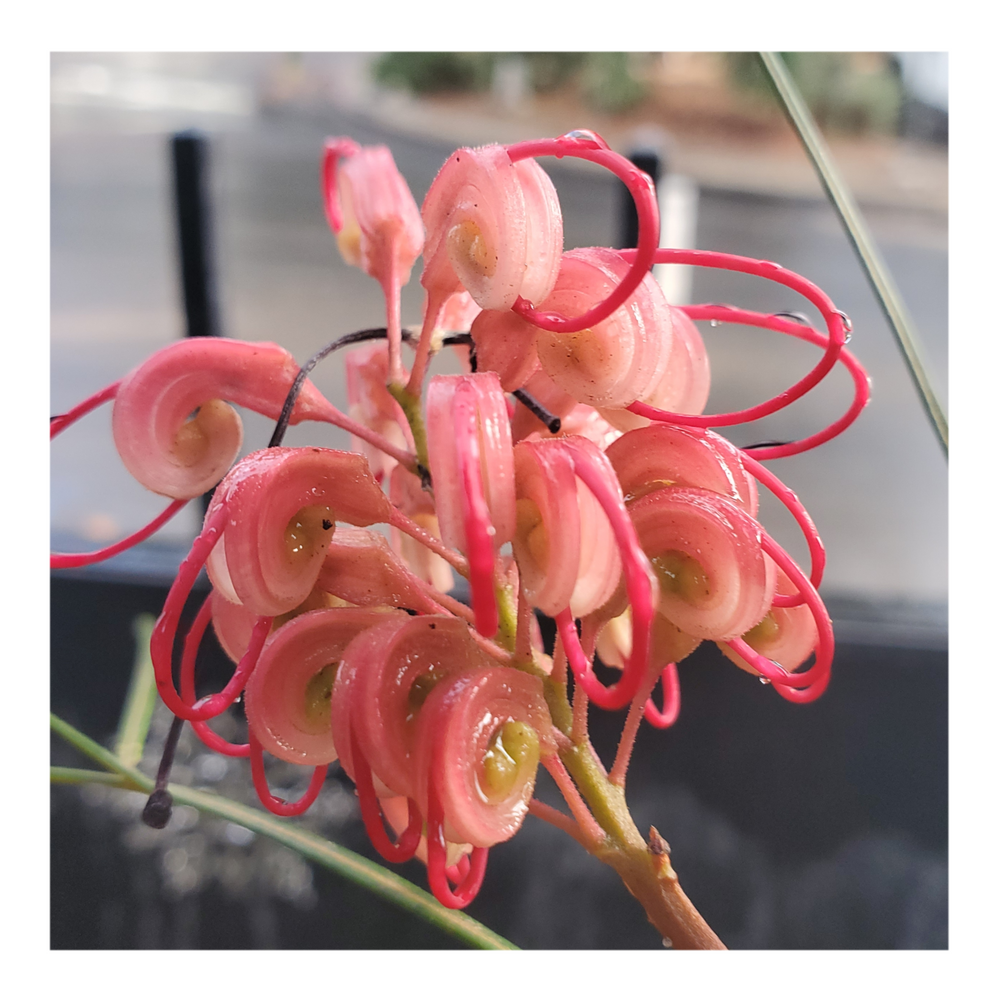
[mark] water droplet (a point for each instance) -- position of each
(847, 337)
(714, 323)
(763, 680)
(667, 943)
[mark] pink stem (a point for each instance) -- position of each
(192, 641)
(589, 827)
(810, 684)
(371, 813)
(671, 700)
(435, 306)
(817, 554)
(58, 424)
(333, 416)
(394, 332)
(475, 514)
(640, 186)
(72, 560)
(270, 802)
(557, 819)
(630, 729)
(454, 559)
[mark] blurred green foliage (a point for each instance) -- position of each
(845, 91)
(606, 79)
(435, 72)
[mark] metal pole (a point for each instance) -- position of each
(647, 160)
(857, 232)
(194, 232)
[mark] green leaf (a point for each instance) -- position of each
(339, 859)
(133, 727)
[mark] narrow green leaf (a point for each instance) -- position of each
(82, 776)
(860, 238)
(133, 727)
(339, 859)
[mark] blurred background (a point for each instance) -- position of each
(791, 826)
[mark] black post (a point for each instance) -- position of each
(194, 232)
(649, 161)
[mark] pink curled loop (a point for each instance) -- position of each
(832, 316)
(192, 642)
(371, 813)
(271, 802)
(637, 571)
(671, 700)
(808, 685)
(73, 560)
(817, 553)
(161, 645)
(58, 424)
(437, 869)
(586, 145)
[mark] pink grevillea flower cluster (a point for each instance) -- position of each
(571, 471)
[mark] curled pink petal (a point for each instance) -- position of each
(283, 504)
(714, 580)
(684, 385)
(481, 768)
(361, 568)
(472, 467)
(786, 636)
(649, 458)
(547, 541)
(620, 359)
(177, 455)
(289, 693)
(505, 344)
(478, 233)
(588, 145)
(385, 675)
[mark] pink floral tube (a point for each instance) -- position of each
(180, 456)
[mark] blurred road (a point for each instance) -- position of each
(878, 493)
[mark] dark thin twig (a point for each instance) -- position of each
(160, 804)
(375, 333)
(764, 444)
(551, 421)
